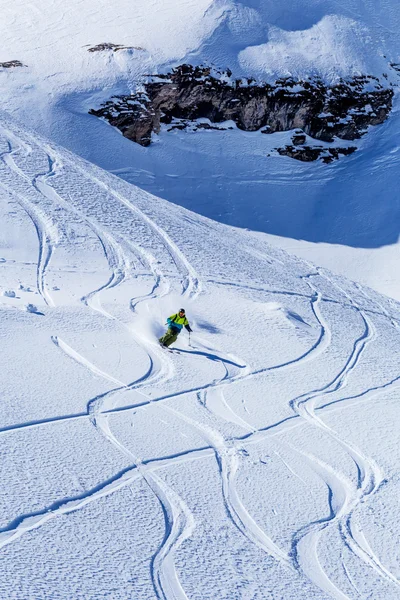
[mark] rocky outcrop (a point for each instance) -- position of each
(11, 64)
(299, 138)
(188, 93)
(114, 47)
(311, 153)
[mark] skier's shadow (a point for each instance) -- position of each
(212, 357)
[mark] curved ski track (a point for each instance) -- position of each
(191, 285)
(235, 508)
(117, 263)
(179, 521)
(343, 495)
(46, 229)
(227, 456)
(97, 405)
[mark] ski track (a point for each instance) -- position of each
(179, 526)
(227, 458)
(47, 231)
(305, 540)
(160, 289)
(370, 476)
(343, 495)
(252, 437)
(84, 362)
(325, 299)
(349, 578)
(180, 521)
(27, 522)
(191, 285)
(120, 266)
(228, 461)
(384, 312)
(118, 261)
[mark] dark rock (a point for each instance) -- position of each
(211, 127)
(105, 46)
(305, 154)
(334, 153)
(298, 139)
(11, 64)
(114, 47)
(131, 116)
(180, 126)
(312, 153)
(345, 110)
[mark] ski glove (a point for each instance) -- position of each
(188, 328)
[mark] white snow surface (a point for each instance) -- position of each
(257, 460)
(260, 458)
(328, 49)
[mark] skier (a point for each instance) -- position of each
(176, 323)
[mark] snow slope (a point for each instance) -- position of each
(259, 461)
(343, 216)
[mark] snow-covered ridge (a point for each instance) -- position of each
(334, 47)
(251, 459)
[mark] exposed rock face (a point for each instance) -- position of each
(11, 64)
(105, 46)
(189, 93)
(299, 138)
(311, 153)
(114, 47)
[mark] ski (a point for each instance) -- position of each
(169, 349)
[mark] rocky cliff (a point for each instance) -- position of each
(344, 110)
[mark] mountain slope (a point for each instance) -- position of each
(343, 216)
(259, 461)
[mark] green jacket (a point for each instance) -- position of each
(177, 322)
